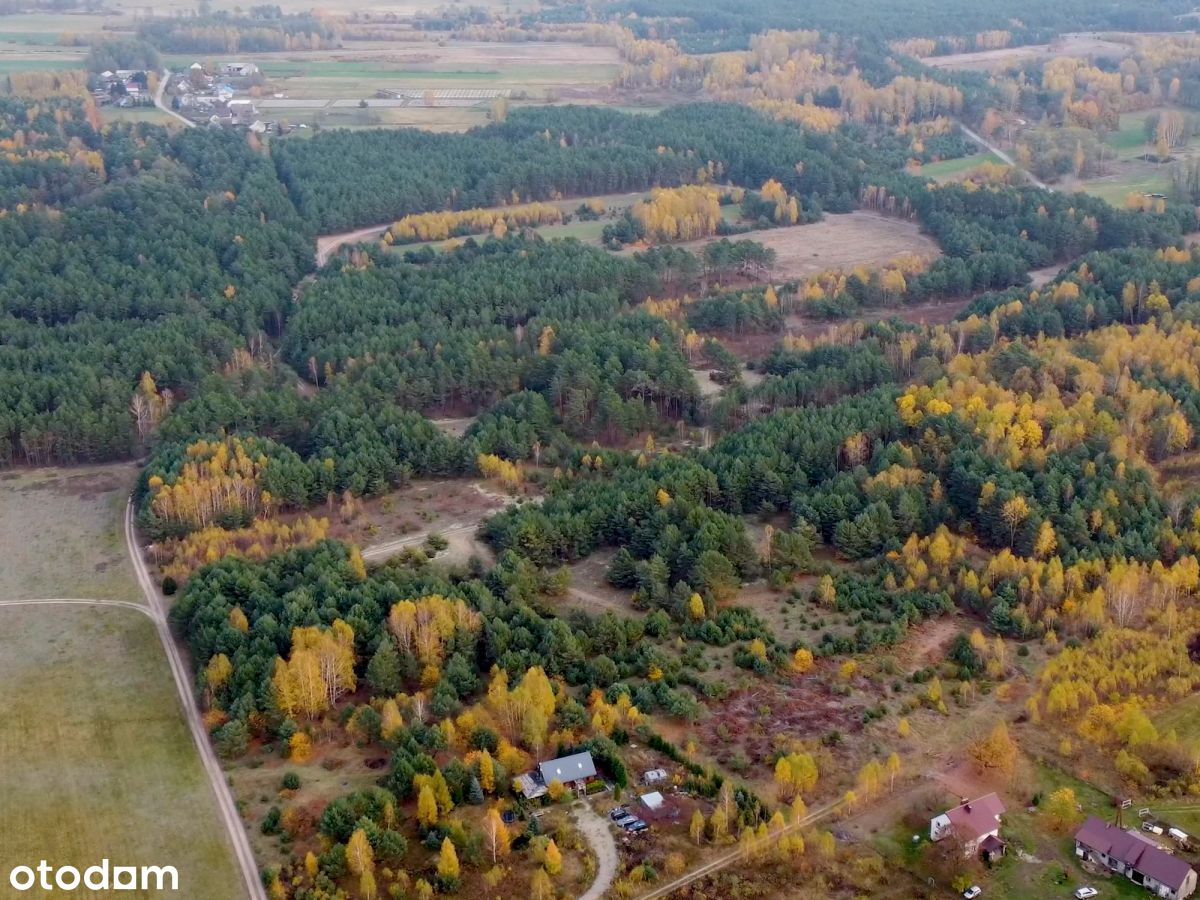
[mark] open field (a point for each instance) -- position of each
(587, 231)
(61, 533)
(150, 114)
(1138, 177)
(838, 242)
(949, 169)
(1130, 173)
(1087, 45)
(99, 761)
(30, 41)
(328, 87)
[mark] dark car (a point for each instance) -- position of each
(619, 813)
(636, 827)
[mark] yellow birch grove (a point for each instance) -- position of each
(218, 478)
(680, 214)
(421, 627)
(319, 671)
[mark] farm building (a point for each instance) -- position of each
(972, 823)
(1129, 853)
(239, 70)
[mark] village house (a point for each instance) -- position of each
(1127, 852)
(572, 772)
(975, 824)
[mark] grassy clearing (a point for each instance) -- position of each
(1183, 718)
(1130, 140)
(150, 114)
(257, 784)
(1094, 801)
(61, 530)
(1115, 189)
(100, 762)
(949, 169)
(362, 78)
(10, 65)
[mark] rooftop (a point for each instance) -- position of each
(1134, 850)
(568, 768)
(976, 817)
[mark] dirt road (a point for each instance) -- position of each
(157, 610)
(599, 836)
(158, 100)
(328, 244)
(988, 145)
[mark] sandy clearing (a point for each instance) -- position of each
(1082, 44)
(838, 242)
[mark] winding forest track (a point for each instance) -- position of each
(328, 244)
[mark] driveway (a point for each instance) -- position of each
(599, 835)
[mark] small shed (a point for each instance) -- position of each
(654, 776)
(652, 801)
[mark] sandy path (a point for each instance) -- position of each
(599, 836)
(183, 683)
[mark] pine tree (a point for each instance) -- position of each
(475, 792)
(383, 671)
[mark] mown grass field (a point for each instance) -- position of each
(151, 114)
(97, 761)
(61, 530)
(952, 168)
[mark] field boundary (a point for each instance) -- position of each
(183, 684)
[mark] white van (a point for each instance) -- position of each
(1178, 835)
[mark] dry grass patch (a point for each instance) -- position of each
(62, 533)
(98, 761)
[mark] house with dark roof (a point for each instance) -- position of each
(1127, 852)
(572, 771)
(971, 823)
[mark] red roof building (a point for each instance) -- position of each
(1129, 853)
(970, 823)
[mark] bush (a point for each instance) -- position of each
(170, 586)
(270, 823)
(291, 782)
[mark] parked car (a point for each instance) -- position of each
(634, 824)
(625, 820)
(619, 813)
(1085, 892)
(972, 892)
